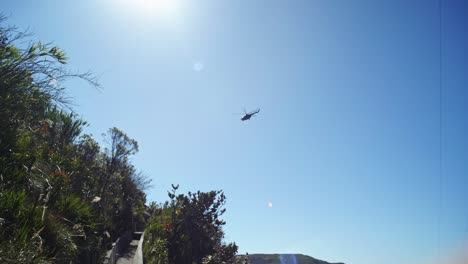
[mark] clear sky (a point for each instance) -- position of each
(346, 146)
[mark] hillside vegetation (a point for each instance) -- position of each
(63, 197)
(188, 229)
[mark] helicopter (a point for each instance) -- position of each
(247, 116)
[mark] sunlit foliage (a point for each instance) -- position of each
(58, 201)
(188, 229)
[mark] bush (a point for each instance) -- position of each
(188, 229)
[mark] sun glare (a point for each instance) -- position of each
(162, 9)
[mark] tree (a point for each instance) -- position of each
(121, 147)
(191, 229)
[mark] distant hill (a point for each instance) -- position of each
(284, 259)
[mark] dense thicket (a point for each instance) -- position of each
(62, 198)
(188, 229)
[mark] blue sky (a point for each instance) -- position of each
(346, 146)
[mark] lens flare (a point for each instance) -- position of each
(198, 66)
(287, 259)
(161, 9)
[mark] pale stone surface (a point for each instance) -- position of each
(128, 258)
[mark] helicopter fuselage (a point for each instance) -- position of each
(246, 117)
(249, 115)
